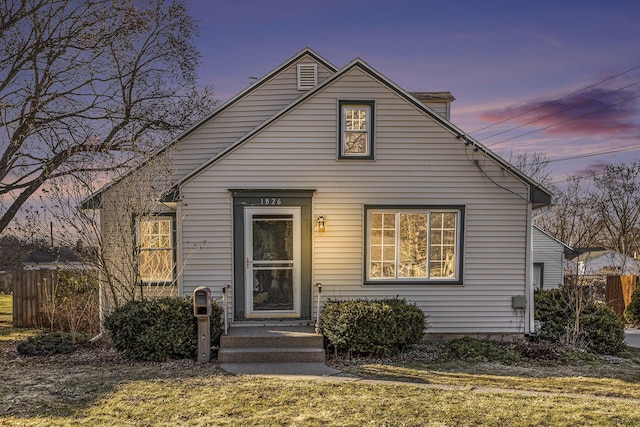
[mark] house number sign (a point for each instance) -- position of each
(270, 201)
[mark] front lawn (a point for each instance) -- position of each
(97, 387)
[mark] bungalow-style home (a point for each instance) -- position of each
(600, 261)
(317, 183)
(548, 260)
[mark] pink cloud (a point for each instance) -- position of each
(592, 168)
(595, 112)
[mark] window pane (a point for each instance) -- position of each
(413, 245)
(449, 237)
(449, 220)
(389, 270)
(442, 261)
(375, 270)
(389, 253)
(156, 253)
(356, 119)
(376, 237)
(376, 253)
(355, 143)
(390, 220)
(156, 265)
(376, 221)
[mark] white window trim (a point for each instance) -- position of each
(457, 277)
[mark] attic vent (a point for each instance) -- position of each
(307, 76)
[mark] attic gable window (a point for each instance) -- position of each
(356, 129)
(307, 76)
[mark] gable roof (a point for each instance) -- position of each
(94, 201)
(567, 248)
(539, 195)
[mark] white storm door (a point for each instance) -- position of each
(272, 252)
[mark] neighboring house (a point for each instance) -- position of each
(318, 175)
(599, 261)
(57, 258)
(548, 260)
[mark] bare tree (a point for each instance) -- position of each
(86, 85)
(571, 218)
(535, 166)
(616, 200)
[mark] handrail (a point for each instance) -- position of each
(319, 285)
(225, 308)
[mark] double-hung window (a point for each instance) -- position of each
(155, 245)
(356, 129)
(414, 244)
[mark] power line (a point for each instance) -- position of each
(555, 100)
(560, 111)
(594, 154)
(564, 121)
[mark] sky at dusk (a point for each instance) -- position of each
(554, 77)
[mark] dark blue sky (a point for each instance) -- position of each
(498, 58)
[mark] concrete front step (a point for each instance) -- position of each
(257, 343)
(270, 355)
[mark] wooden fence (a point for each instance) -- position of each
(31, 289)
(618, 292)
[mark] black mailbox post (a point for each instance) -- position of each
(202, 312)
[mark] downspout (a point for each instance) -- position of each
(529, 314)
(319, 286)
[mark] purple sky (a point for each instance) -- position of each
(500, 59)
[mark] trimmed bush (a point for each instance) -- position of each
(553, 309)
(377, 327)
(50, 343)
(159, 328)
(632, 312)
(603, 330)
(600, 329)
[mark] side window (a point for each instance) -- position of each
(356, 130)
(416, 244)
(156, 249)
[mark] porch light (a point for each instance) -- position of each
(320, 222)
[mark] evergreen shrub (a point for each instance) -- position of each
(377, 327)
(632, 312)
(600, 329)
(158, 329)
(50, 343)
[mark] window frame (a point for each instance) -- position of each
(459, 267)
(343, 105)
(172, 246)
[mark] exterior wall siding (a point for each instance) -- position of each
(240, 118)
(417, 162)
(549, 252)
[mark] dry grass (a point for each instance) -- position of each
(98, 387)
(8, 334)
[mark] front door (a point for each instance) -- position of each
(272, 252)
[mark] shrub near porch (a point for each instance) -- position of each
(377, 327)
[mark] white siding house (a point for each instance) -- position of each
(347, 182)
(548, 260)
